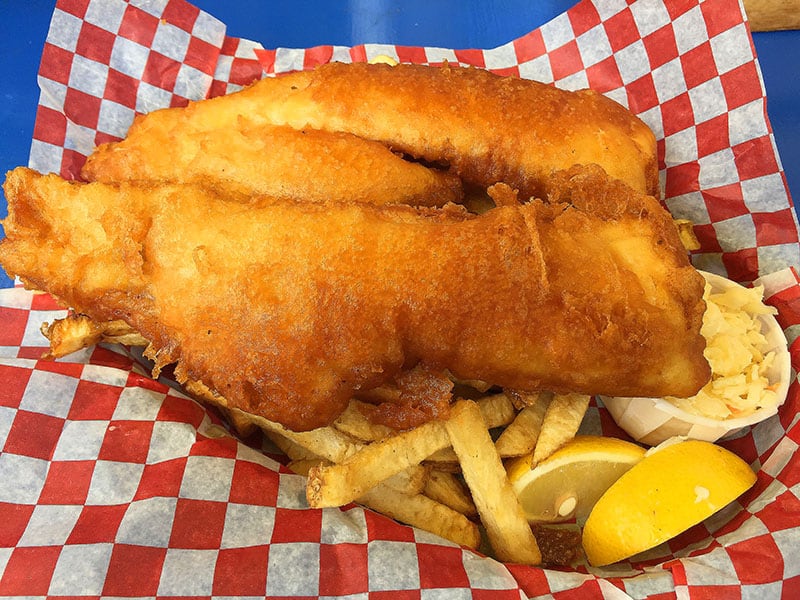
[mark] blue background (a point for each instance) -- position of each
(300, 24)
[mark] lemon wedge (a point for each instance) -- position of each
(568, 482)
(677, 485)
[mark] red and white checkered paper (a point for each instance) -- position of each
(116, 485)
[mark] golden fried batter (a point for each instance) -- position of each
(488, 128)
(277, 161)
(287, 308)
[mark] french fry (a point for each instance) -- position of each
(479, 386)
(424, 513)
(291, 449)
(560, 424)
(410, 507)
(448, 489)
(339, 484)
(520, 436)
(686, 234)
(412, 481)
(302, 459)
(327, 442)
(522, 399)
(353, 422)
(303, 466)
(242, 423)
(497, 410)
(409, 482)
(445, 460)
(76, 331)
(508, 531)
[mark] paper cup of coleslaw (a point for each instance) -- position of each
(751, 373)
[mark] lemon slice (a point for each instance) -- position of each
(569, 481)
(677, 485)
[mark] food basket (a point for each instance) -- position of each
(118, 485)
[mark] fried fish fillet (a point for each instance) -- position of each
(277, 161)
(286, 309)
(487, 128)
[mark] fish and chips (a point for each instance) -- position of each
(300, 252)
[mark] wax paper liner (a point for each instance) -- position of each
(116, 485)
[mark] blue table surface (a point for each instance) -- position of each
(299, 24)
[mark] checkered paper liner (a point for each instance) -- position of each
(115, 485)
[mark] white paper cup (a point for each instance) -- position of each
(652, 420)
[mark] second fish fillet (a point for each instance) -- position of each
(485, 127)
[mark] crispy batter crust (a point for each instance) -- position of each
(277, 161)
(286, 309)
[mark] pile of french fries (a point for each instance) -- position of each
(445, 477)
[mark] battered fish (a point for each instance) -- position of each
(487, 128)
(286, 309)
(277, 161)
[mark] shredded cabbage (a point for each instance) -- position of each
(735, 348)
